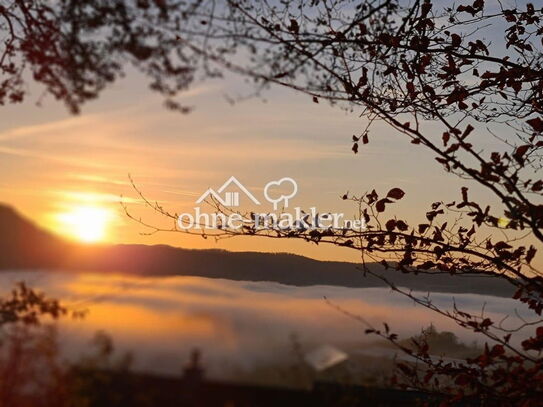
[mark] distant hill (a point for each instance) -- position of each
(25, 246)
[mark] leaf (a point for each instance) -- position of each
(530, 254)
(464, 194)
(355, 148)
(390, 225)
(294, 27)
(315, 100)
(423, 227)
(365, 138)
(502, 246)
(468, 130)
(455, 40)
(372, 196)
(401, 225)
(432, 214)
(518, 293)
(380, 205)
(497, 350)
(446, 136)
(395, 193)
(537, 186)
(520, 152)
(536, 123)
(454, 147)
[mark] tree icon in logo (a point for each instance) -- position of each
(281, 198)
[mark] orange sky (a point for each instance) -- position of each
(53, 164)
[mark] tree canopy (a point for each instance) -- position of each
(463, 81)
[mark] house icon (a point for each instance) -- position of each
(230, 198)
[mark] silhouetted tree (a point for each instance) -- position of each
(76, 48)
(30, 367)
(463, 81)
(28, 306)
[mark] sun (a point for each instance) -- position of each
(88, 224)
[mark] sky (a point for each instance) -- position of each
(55, 167)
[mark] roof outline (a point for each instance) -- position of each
(216, 194)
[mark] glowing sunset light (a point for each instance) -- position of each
(88, 224)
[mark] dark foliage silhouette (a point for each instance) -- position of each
(464, 82)
(75, 49)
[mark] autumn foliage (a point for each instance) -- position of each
(465, 83)
(462, 81)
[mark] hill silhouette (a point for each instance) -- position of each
(25, 246)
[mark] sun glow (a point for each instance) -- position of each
(88, 224)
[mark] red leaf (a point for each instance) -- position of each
(468, 130)
(536, 123)
(519, 153)
(446, 137)
(497, 350)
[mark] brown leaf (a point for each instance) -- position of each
(520, 152)
(390, 225)
(380, 205)
(294, 27)
(536, 123)
(395, 193)
(446, 136)
(530, 254)
(468, 130)
(423, 227)
(455, 40)
(537, 186)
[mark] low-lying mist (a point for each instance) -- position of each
(239, 326)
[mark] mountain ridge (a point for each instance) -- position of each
(25, 246)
